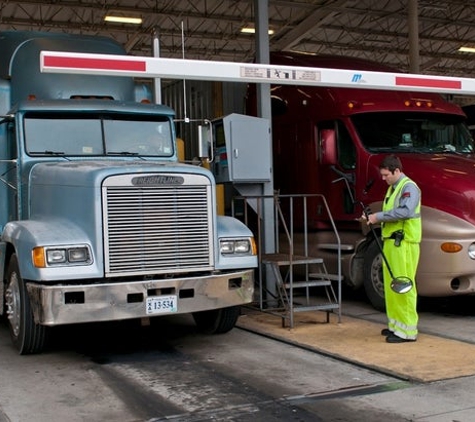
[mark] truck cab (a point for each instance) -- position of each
(98, 219)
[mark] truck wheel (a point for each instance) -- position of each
(217, 321)
(373, 276)
(27, 336)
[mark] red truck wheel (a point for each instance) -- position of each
(27, 336)
(373, 276)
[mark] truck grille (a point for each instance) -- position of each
(157, 229)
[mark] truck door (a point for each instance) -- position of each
(337, 176)
(8, 172)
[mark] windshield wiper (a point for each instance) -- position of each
(123, 153)
(48, 152)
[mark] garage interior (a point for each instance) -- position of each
(222, 30)
(416, 36)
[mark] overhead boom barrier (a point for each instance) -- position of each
(155, 67)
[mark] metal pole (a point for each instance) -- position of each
(413, 25)
(157, 85)
(264, 110)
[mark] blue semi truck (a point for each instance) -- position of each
(98, 219)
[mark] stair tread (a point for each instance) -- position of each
(322, 307)
(285, 259)
(310, 283)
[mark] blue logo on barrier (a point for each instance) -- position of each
(356, 77)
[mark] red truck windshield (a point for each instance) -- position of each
(83, 136)
(413, 132)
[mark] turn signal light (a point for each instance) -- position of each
(39, 260)
(451, 247)
(253, 246)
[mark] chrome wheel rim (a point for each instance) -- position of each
(12, 296)
(377, 275)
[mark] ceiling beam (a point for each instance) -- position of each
(314, 20)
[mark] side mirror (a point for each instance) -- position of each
(328, 150)
(204, 141)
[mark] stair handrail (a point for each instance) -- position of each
(289, 235)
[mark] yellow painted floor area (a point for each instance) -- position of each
(358, 341)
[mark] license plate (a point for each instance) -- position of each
(161, 304)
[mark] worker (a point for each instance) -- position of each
(401, 229)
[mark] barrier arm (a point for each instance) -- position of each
(157, 67)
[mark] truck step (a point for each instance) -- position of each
(324, 276)
(334, 247)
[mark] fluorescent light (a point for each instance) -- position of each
(248, 30)
(307, 53)
(467, 49)
(123, 19)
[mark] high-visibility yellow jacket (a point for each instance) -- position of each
(412, 226)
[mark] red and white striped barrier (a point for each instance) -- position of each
(157, 67)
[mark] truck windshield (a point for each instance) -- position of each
(82, 135)
(413, 132)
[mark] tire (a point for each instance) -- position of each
(27, 337)
(217, 321)
(373, 276)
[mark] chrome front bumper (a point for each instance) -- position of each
(70, 304)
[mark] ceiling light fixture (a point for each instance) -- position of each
(123, 19)
(249, 30)
(467, 49)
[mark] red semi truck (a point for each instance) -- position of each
(331, 141)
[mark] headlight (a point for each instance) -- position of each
(242, 246)
(51, 256)
(55, 256)
(237, 246)
(78, 255)
(471, 251)
(226, 247)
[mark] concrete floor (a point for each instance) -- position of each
(439, 367)
(169, 371)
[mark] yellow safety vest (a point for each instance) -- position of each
(412, 227)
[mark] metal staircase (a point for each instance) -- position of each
(289, 282)
(294, 295)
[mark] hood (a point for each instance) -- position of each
(92, 173)
(447, 181)
(72, 191)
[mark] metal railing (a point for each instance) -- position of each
(285, 227)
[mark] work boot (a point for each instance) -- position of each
(393, 338)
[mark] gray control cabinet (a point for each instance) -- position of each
(243, 149)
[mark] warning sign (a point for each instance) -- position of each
(280, 74)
